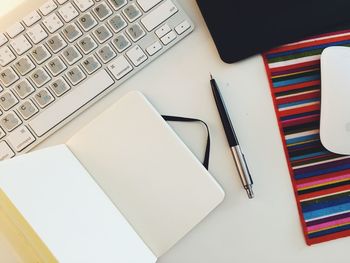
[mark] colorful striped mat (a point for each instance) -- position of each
(321, 179)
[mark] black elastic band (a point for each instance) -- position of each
(184, 119)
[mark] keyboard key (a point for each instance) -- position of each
(10, 121)
(3, 39)
(183, 27)
(102, 11)
(132, 12)
(75, 75)
(8, 100)
(154, 48)
(163, 30)
(21, 138)
(117, 4)
(27, 109)
(121, 42)
(87, 44)
(15, 29)
(37, 33)
(5, 151)
(2, 133)
(117, 23)
(102, 34)
(48, 7)
(72, 32)
(59, 87)
(84, 5)
(56, 43)
(65, 57)
(31, 18)
(24, 89)
(91, 64)
(68, 12)
(40, 77)
(136, 55)
(87, 22)
(21, 45)
(136, 32)
(120, 67)
(43, 98)
(24, 65)
(71, 55)
(71, 102)
(159, 15)
(40, 54)
(56, 66)
(8, 76)
(147, 5)
(106, 53)
(170, 37)
(6, 56)
(52, 23)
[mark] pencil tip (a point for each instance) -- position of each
(211, 76)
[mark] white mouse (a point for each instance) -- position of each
(335, 99)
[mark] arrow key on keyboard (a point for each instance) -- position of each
(167, 39)
(181, 28)
(154, 48)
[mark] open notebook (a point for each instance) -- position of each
(123, 189)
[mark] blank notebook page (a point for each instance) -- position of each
(147, 171)
(68, 210)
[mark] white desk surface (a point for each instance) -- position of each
(265, 229)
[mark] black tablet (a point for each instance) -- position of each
(242, 28)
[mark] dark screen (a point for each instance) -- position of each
(242, 28)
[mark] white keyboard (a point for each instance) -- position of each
(66, 55)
